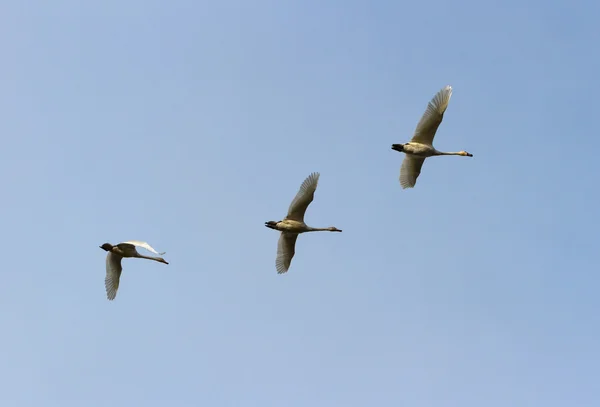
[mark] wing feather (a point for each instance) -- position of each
(410, 170)
(286, 248)
(303, 198)
(144, 245)
(113, 275)
(432, 118)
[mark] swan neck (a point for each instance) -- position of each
(158, 259)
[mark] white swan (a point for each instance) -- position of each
(293, 223)
(113, 262)
(421, 145)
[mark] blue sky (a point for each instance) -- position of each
(188, 124)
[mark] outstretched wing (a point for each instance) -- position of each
(144, 245)
(410, 170)
(286, 248)
(431, 119)
(113, 275)
(303, 198)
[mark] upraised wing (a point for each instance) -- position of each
(303, 198)
(113, 275)
(431, 119)
(144, 245)
(286, 248)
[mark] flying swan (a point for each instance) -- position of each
(293, 224)
(113, 262)
(421, 145)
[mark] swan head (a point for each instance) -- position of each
(334, 229)
(271, 224)
(398, 147)
(465, 154)
(107, 246)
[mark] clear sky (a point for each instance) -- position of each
(188, 124)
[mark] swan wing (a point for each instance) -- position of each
(303, 198)
(410, 170)
(143, 245)
(113, 275)
(431, 119)
(286, 248)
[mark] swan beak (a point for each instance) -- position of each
(468, 154)
(398, 147)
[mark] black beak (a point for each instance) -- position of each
(398, 147)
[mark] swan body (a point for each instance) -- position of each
(113, 262)
(421, 145)
(293, 224)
